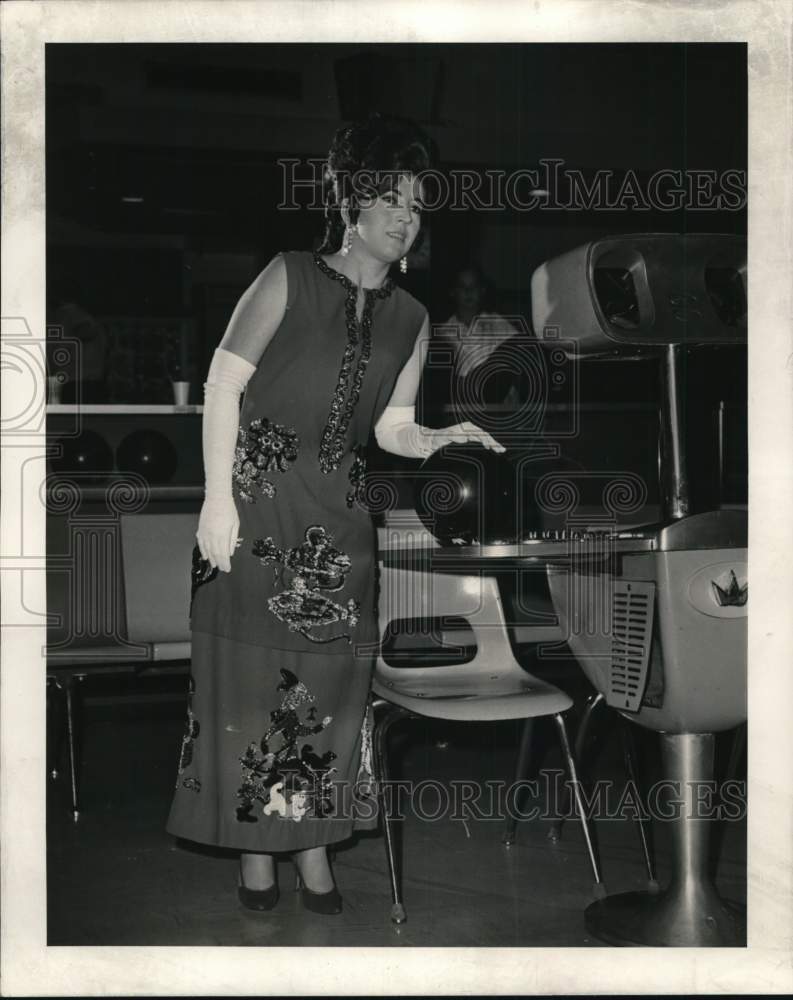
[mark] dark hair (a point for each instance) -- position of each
(368, 158)
(473, 267)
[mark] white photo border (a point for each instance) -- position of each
(29, 966)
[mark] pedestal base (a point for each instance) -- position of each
(701, 919)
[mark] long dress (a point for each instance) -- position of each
(276, 752)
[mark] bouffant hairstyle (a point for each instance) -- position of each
(366, 159)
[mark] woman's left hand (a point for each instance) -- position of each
(462, 434)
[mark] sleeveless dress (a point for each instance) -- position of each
(276, 752)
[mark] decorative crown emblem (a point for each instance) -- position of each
(733, 595)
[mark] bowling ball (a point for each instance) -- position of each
(88, 453)
(149, 453)
(467, 495)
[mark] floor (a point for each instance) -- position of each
(116, 877)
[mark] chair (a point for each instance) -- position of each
(157, 552)
(151, 556)
(487, 684)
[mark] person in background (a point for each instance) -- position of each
(449, 387)
(86, 382)
(473, 332)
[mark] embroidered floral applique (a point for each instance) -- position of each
(289, 780)
(190, 735)
(263, 448)
(366, 767)
(317, 565)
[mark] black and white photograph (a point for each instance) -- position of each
(395, 412)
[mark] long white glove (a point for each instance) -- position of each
(397, 431)
(218, 523)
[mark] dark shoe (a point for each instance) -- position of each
(327, 903)
(257, 899)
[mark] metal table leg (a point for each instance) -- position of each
(689, 912)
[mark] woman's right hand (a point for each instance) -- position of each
(218, 527)
(466, 432)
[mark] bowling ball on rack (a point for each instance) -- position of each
(149, 453)
(468, 495)
(88, 454)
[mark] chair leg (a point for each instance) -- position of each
(521, 772)
(73, 736)
(55, 728)
(380, 747)
(599, 887)
(593, 703)
(629, 754)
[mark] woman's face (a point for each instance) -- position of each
(389, 223)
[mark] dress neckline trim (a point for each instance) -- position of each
(381, 293)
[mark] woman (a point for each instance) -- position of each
(275, 756)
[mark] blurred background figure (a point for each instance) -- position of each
(467, 339)
(86, 381)
(474, 332)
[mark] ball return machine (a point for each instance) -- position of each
(669, 653)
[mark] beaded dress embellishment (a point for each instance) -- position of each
(282, 772)
(191, 731)
(263, 447)
(351, 373)
(357, 478)
(317, 565)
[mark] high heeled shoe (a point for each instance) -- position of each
(257, 899)
(327, 903)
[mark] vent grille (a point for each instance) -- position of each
(631, 634)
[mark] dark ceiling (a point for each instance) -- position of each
(175, 148)
(189, 134)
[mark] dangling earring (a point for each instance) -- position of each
(346, 243)
(403, 265)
